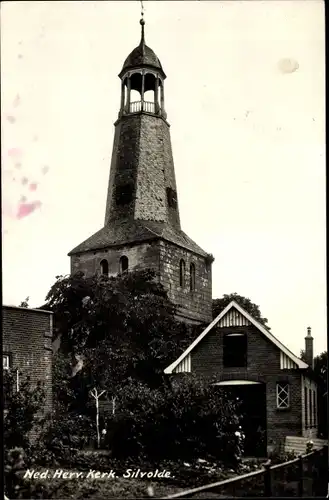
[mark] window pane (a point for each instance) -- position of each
(5, 361)
(282, 395)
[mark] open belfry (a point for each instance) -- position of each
(142, 225)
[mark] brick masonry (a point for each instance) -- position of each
(195, 306)
(27, 338)
(142, 157)
(263, 365)
(140, 256)
(164, 258)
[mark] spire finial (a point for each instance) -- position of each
(142, 23)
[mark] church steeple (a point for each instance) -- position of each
(142, 72)
(142, 224)
(142, 183)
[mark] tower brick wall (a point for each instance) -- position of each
(195, 306)
(142, 256)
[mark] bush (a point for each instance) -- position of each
(189, 419)
(66, 434)
(23, 411)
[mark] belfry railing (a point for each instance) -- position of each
(137, 106)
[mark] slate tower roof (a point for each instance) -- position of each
(142, 55)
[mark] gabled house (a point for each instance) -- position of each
(277, 391)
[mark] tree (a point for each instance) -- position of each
(25, 303)
(116, 327)
(218, 305)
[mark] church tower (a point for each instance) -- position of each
(142, 225)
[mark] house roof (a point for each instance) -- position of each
(28, 309)
(253, 321)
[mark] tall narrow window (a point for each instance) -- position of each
(182, 273)
(315, 409)
(313, 404)
(310, 407)
(124, 264)
(5, 361)
(305, 407)
(104, 267)
(282, 395)
(235, 350)
(192, 277)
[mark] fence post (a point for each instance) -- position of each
(300, 474)
(267, 481)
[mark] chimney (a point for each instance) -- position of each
(309, 348)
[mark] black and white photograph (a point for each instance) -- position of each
(164, 316)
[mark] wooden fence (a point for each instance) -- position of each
(305, 476)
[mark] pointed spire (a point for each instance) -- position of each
(142, 23)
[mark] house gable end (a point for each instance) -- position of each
(233, 316)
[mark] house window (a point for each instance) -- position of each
(282, 396)
(315, 409)
(5, 361)
(235, 350)
(305, 407)
(182, 273)
(310, 407)
(104, 267)
(124, 264)
(192, 277)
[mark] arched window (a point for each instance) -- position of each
(182, 273)
(124, 263)
(192, 277)
(104, 267)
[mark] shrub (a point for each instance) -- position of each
(23, 410)
(66, 434)
(187, 420)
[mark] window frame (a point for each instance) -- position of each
(278, 404)
(125, 259)
(310, 403)
(306, 407)
(102, 263)
(7, 356)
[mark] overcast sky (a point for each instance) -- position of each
(245, 95)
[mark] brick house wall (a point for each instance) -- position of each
(309, 412)
(263, 365)
(27, 339)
